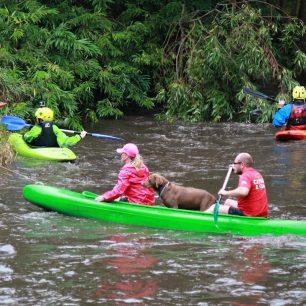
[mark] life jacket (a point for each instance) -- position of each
(297, 118)
(47, 138)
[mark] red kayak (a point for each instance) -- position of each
(286, 135)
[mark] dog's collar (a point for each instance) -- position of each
(162, 188)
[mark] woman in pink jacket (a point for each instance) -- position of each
(130, 179)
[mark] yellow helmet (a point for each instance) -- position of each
(44, 113)
(299, 92)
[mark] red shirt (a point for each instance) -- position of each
(129, 185)
(255, 204)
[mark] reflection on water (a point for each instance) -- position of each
(289, 177)
(50, 259)
(128, 258)
(252, 269)
(290, 167)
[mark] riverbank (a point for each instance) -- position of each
(6, 153)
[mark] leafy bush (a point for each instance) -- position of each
(91, 59)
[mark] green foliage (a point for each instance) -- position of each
(91, 59)
(6, 153)
(107, 108)
(71, 54)
(239, 47)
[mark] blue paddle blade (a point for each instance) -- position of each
(12, 119)
(13, 123)
(12, 127)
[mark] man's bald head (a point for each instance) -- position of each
(245, 158)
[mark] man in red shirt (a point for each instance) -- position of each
(251, 193)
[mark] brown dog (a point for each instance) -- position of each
(175, 196)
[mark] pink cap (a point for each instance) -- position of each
(129, 149)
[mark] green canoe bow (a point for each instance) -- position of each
(78, 205)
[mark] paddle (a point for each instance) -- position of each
(258, 94)
(257, 112)
(217, 204)
(13, 123)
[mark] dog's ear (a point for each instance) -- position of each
(159, 180)
(164, 179)
(151, 179)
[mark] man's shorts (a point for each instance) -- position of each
(235, 211)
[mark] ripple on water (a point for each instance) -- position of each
(7, 250)
(53, 259)
(6, 273)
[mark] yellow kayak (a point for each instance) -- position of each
(54, 153)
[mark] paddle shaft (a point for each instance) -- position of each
(217, 204)
(258, 94)
(230, 169)
(91, 134)
(13, 123)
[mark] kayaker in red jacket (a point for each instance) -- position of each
(251, 191)
(130, 177)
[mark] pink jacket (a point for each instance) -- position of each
(129, 185)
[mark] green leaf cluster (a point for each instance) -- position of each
(189, 59)
(75, 57)
(227, 48)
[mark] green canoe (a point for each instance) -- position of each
(80, 205)
(23, 149)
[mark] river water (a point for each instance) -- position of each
(51, 259)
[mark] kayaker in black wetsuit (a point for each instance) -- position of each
(47, 134)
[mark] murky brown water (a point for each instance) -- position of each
(51, 259)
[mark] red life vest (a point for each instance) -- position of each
(297, 118)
